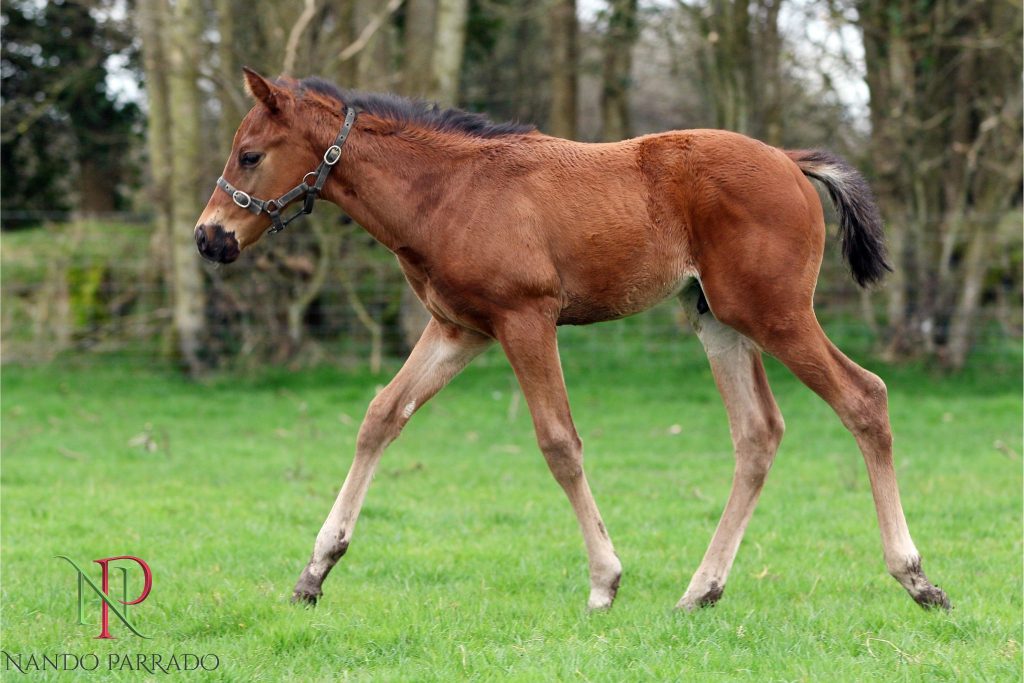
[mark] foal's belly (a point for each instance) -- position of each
(615, 267)
(610, 298)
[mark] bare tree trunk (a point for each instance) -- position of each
(96, 189)
(966, 310)
(564, 67)
(449, 43)
(766, 72)
(887, 75)
(740, 63)
(151, 19)
(231, 112)
(729, 41)
(186, 154)
(420, 20)
(896, 319)
(618, 66)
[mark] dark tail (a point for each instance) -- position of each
(860, 225)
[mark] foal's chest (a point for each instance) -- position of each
(445, 301)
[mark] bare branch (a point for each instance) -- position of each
(372, 326)
(369, 31)
(292, 46)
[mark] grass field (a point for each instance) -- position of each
(467, 563)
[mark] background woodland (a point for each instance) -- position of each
(117, 117)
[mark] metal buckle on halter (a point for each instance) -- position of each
(238, 196)
(332, 155)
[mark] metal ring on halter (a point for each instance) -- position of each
(238, 196)
(311, 173)
(332, 155)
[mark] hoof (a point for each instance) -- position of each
(600, 601)
(691, 602)
(602, 598)
(305, 598)
(924, 592)
(933, 597)
(307, 591)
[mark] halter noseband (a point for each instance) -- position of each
(273, 207)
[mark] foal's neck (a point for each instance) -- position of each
(395, 180)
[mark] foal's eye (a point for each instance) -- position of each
(249, 159)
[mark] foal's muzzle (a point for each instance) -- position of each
(216, 244)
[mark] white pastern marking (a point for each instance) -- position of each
(409, 408)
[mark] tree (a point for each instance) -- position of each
(435, 39)
(417, 65)
(64, 133)
(232, 101)
(151, 22)
(449, 43)
(186, 152)
(564, 68)
(620, 37)
(739, 59)
(946, 118)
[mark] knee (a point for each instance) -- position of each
(771, 430)
(382, 425)
(757, 445)
(563, 451)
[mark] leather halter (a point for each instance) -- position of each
(273, 207)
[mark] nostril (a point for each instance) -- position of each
(200, 237)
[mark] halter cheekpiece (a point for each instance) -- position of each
(273, 207)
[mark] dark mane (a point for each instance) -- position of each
(406, 109)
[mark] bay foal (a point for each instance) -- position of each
(505, 233)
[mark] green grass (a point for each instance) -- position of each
(467, 563)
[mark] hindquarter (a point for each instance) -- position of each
(755, 224)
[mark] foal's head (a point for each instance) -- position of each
(269, 156)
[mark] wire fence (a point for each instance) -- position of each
(85, 289)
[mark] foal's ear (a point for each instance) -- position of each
(265, 92)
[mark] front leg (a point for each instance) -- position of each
(531, 344)
(442, 351)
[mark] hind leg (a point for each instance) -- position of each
(789, 330)
(756, 426)
(860, 399)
